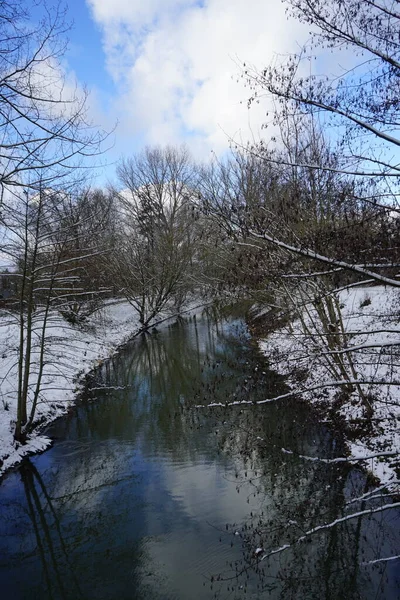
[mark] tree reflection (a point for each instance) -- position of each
(58, 570)
(294, 497)
(168, 373)
(147, 497)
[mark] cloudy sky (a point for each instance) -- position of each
(167, 70)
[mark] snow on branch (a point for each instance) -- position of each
(297, 392)
(319, 528)
(325, 259)
(380, 560)
(341, 459)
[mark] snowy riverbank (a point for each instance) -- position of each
(71, 352)
(371, 317)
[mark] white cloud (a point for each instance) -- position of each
(174, 63)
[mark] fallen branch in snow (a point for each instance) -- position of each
(301, 334)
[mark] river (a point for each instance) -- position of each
(143, 495)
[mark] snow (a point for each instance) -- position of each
(71, 352)
(371, 317)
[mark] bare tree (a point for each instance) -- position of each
(45, 139)
(254, 193)
(361, 106)
(44, 131)
(49, 236)
(155, 248)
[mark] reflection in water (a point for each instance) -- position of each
(143, 496)
(58, 572)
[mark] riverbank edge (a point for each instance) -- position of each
(276, 342)
(110, 341)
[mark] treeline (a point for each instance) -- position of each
(172, 227)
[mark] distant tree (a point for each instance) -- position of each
(234, 193)
(155, 251)
(86, 216)
(256, 192)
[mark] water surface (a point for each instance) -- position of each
(143, 496)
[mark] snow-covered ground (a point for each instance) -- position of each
(71, 352)
(371, 317)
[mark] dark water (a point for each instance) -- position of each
(143, 496)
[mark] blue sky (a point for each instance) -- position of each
(85, 52)
(166, 71)
(87, 60)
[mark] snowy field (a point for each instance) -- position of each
(371, 317)
(71, 352)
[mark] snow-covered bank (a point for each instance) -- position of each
(371, 318)
(71, 352)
